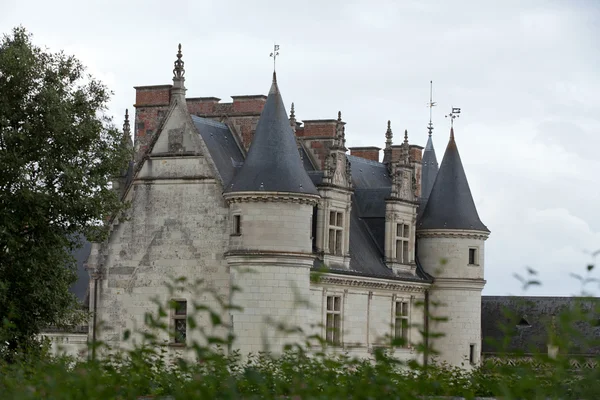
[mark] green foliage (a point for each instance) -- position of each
(58, 152)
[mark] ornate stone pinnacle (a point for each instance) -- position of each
(406, 136)
(339, 116)
(178, 71)
(389, 135)
(126, 125)
(292, 112)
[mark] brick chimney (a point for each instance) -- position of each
(368, 152)
(249, 104)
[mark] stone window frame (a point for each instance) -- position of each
(474, 251)
(402, 242)
(404, 317)
(333, 337)
(337, 230)
(176, 317)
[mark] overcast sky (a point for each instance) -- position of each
(525, 74)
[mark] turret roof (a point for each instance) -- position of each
(273, 162)
(450, 204)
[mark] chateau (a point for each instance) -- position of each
(337, 242)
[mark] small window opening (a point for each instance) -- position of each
(237, 224)
(180, 322)
(472, 256)
(523, 323)
(472, 353)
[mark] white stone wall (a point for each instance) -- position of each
(455, 250)
(273, 226)
(461, 305)
(68, 344)
(368, 315)
(273, 295)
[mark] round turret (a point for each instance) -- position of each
(271, 202)
(450, 239)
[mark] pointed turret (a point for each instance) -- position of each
(428, 172)
(273, 163)
(450, 204)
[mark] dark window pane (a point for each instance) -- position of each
(180, 330)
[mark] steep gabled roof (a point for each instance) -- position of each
(273, 162)
(221, 145)
(450, 204)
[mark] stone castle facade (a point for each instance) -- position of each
(220, 188)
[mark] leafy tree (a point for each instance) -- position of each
(58, 152)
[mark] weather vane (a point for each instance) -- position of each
(274, 54)
(453, 114)
(431, 104)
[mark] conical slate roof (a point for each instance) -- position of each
(429, 171)
(273, 162)
(450, 204)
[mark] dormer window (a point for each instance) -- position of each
(336, 232)
(402, 240)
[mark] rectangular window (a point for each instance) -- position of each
(336, 232)
(180, 321)
(333, 323)
(472, 256)
(402, 243)
(237, 224)
(472, 353)
(401, 322)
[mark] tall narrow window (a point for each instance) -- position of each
(472, 353)
(472, 256)
(401, 322)
(336, 232)
(333, 322)
(237, 225)
(402, 243)
(180, 322)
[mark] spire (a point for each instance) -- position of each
(450, 204)
(387, 152)
(273, 163)
(178, 89)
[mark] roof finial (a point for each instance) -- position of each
(292, 112)
(178, 71)
(406, 136)
(455, 113)
(274, 54)
(431, 104)
(339, 116)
